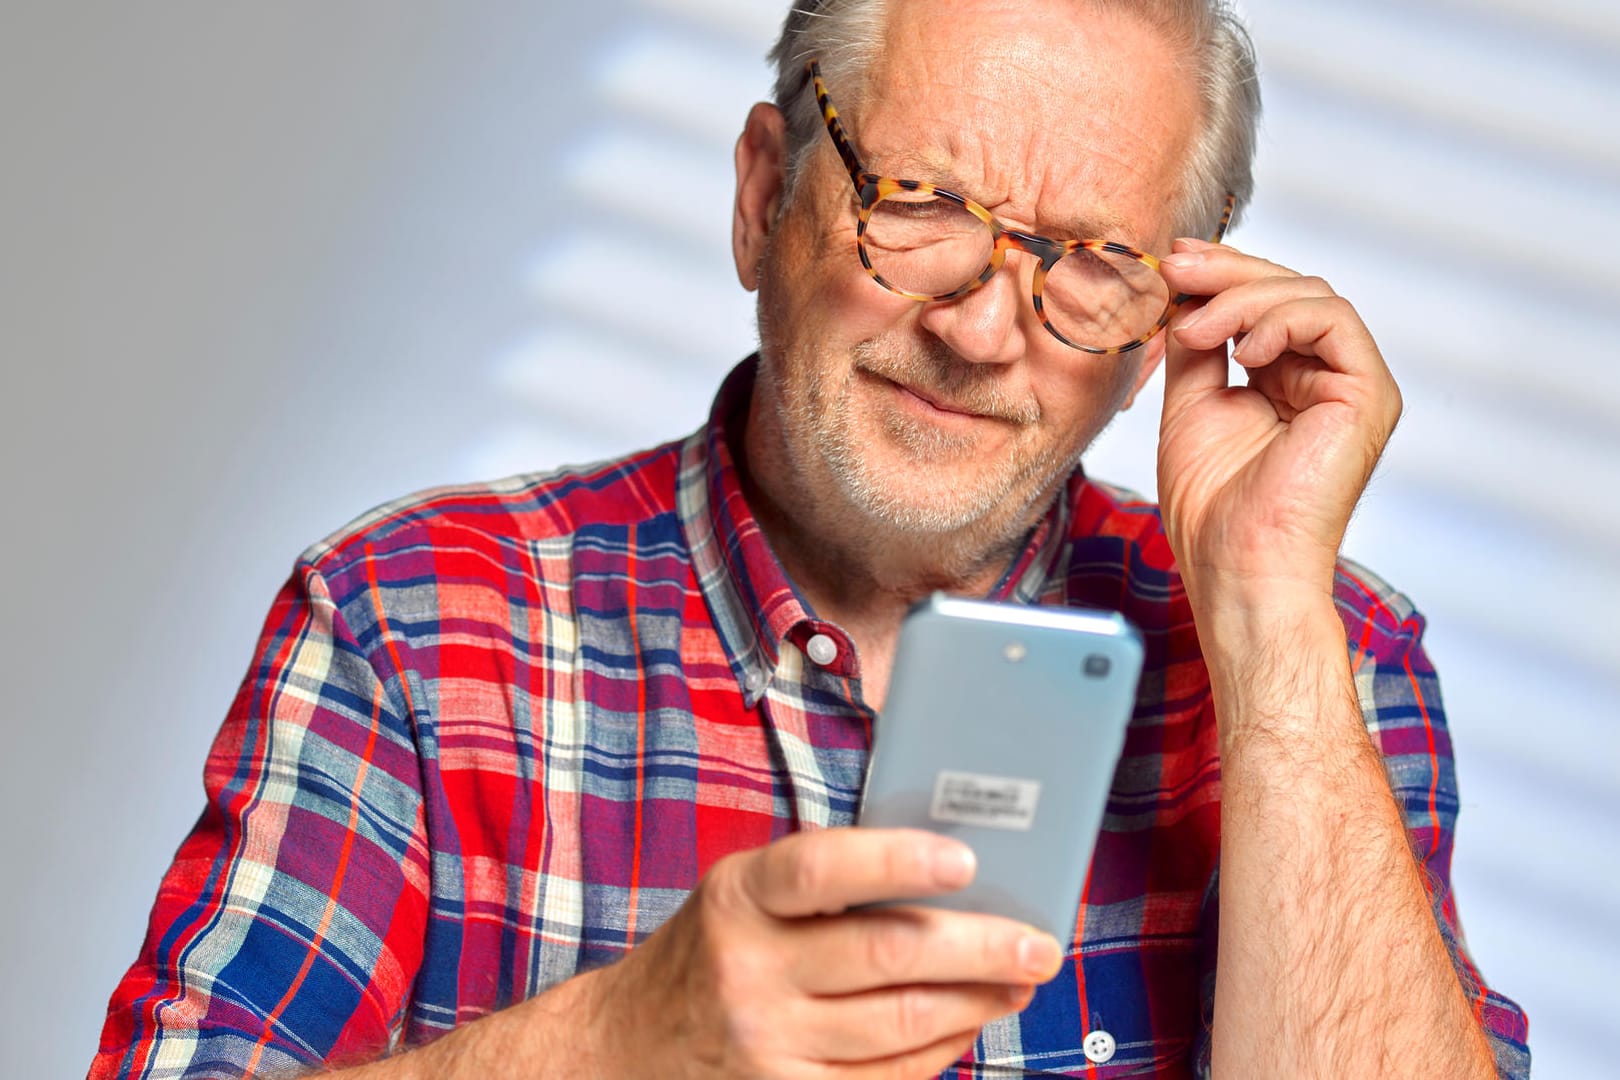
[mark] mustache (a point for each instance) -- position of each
(932, 369)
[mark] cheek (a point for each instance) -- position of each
(1082, 393)
(862, 308)
(819, 292)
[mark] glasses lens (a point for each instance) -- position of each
(1102, 300)
(925, 245)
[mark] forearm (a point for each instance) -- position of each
(554, 1034)
(1330, 962)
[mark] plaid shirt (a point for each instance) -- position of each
(492, 736)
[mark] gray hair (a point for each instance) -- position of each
(847, 35)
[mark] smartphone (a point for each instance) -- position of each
(1003, 727)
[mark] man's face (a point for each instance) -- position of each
(960, 417)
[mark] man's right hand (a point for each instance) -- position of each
(765, 970)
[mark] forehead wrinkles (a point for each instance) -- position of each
(1046, 124)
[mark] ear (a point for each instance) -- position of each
(1152, 357)
(761, 173)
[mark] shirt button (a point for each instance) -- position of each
(822, 649)
(1099, 1047)
(755, 681)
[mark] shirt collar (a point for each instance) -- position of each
(756, 607)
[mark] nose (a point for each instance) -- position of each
(991, 324)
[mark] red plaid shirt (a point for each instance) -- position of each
(492, 736)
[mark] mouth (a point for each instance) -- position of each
(934, 404)
(937, 403)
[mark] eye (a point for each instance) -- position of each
(916, 207)
(1084, 261)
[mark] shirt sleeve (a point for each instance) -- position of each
(1400, 700)
(289, 928)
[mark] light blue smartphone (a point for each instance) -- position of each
(1003, 728)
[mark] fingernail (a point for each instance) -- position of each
(954, 865)
(1019, 995)
(1038, 955)
(1184, 260)
(1242, 343)
(1187, 320)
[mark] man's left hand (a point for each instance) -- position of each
(1325, 920)
(1257, 483)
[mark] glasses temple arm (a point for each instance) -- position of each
(1226, 219)
(845, 151)
(1220, 235)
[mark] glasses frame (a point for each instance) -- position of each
(871, 189)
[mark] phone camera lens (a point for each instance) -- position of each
(1097, 666)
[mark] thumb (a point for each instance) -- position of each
(1190, 374)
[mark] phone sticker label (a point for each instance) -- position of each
(996, 802)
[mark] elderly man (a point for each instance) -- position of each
(563, 763)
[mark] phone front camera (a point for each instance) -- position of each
(1097, 666)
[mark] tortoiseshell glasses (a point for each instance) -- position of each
(927, 243)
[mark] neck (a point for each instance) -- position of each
(853, 577)
(861, 574)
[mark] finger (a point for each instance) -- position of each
(868, 950)
(926, 1061)
(1202, 269)
(892, 1023)
(1327, 328)
(1294, 383)
(1236, 310)
(1191, 373)
(832, 870)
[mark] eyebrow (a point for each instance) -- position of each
(914, 165)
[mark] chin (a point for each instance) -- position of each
(990, 505)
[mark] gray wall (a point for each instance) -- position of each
(263, 266)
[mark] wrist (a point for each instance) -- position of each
(1276, 662)
(582, 1009)
(560, 1032)
(556, 1033)
(1247, 625)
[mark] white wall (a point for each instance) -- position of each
(264, 266)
